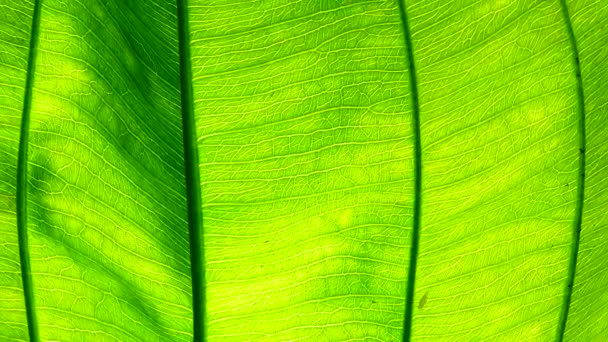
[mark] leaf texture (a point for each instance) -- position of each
(307, 117)
(305, 149)
(108, 239)
(500, 145)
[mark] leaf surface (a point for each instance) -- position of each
(306, 159)
(500, 146)
(108, 238)
(338, 146)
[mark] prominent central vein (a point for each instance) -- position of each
(578, 215)
(409, 296)
(195, 220)
(24, 256)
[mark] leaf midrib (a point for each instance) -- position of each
(21, 193)
(193, 187)
(411, 279)
(578, 213)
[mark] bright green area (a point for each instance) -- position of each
(303, 116)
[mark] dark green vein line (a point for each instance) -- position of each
(24, 255)
(195, 220)
(409, 296)
(578, 215)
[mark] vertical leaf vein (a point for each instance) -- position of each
(409, 296)
(24, 256)
(195, 220)
(578, 214)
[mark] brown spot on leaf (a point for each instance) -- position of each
(423, 301)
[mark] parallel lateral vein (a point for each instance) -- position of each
(21, 194)
(195, 220)
(409, 297)
(578, 215)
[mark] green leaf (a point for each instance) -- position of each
(303, 170)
